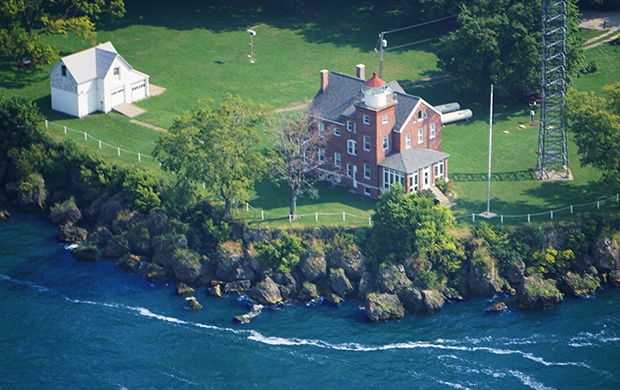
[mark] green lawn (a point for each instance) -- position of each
(200, 51)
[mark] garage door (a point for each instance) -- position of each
(138, 91)
(117, 97)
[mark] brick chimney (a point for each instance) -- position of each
(324, 79)
(361, 71)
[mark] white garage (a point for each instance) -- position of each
(95, 79)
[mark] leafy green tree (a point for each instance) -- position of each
(216, 145)
(296, 156)
(20, 121)
(141, 190)
(498, 42)
(411, 225)
(595, 123)
(24, 21)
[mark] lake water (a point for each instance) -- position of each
(71, 325)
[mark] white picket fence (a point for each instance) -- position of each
(348, 218)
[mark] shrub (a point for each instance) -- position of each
(281, 254)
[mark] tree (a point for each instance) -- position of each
(298, 152)
(498, 42)
(23, 21)
(409, 225)
(216, 146)
(595, 123)
(19, 124)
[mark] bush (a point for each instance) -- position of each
(281, 254)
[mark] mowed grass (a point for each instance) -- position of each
(200, 51)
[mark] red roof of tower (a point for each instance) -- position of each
(375, 81)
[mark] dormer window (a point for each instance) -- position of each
(421, 115)
(117, 71)
(63, 70)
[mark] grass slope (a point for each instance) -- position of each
(200, 50)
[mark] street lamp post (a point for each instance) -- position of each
(252, 34)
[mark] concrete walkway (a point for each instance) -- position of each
(128, 109)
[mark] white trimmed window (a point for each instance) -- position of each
(366, 120)
(391, 177)
(337, 131)
(414, 182)
(337, 160)
(352, 147)
(386, 142)
(349, 126)
(386, 119)
(408, 141)
(321, 130)
(420, 136)
(349, 170)
(421, 115)
(439, 170)
(433, 132)
(366, 171)
(322, 155)
(367, 143)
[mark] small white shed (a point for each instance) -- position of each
(95, 79)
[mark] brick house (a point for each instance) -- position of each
(380, 135)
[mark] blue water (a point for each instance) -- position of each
(71, 325)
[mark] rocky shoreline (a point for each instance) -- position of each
(141, 243)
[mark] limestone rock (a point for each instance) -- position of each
(433, 300)
(384, 307)
(413, 301)
(515, 273)
(287, 284)
(366, 285)
(482, 284)
(351, 263)
(234, 268)
(392, 278)
(86, 253)
(101, 236)
(186, 265)
(308, 292)
(607, 256)
(110, 210)
(156, 273)
(266, 292)
(184, 290)
(125, 222)
(498, 307)
(578, 285)
(216, 291)
(192, 304)
(340, 283)
(313, 266)
(71, 233)
(4, 215)
(239, 286)
(129, 263)
(537, 293)
(116, 247)
(65, 213)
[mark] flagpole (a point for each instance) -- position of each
(488, 213)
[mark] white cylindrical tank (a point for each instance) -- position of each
(456, 116)
(448, 107)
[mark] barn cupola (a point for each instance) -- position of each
(375, 92)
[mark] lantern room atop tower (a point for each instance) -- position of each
(375, 92)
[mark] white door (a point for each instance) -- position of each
(138, 91)
(117, 97)
(426, 177)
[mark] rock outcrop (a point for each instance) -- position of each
(266, 292)
(537, 293)
(384, 307)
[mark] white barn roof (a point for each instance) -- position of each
(91, 63)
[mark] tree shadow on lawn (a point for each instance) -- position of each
(270, 197)
(524, 175)
(340, 23)
(564, 194)
(12, 76)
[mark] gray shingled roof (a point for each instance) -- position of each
(412, 160)
(343, 91)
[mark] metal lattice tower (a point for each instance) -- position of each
(552, 148)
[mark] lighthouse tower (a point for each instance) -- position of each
(375, 92)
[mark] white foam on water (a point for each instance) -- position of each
(529, 381)
(453, 385)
